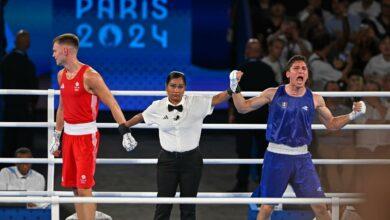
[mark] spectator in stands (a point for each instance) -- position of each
(18, 72)
(313, 25)
(365, 8)
(294, 44)
(293, 7)
(386, 87)
(386, 82)
(340, 15)
(383, 20)
(275, 47)
(266, 23)
(365, 44)
(21, 177)
(322, 70)
(355, 83)
(314, 7)
(260, 8)
(379, 65)
(258, 76)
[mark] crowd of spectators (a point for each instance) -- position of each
(347, 45)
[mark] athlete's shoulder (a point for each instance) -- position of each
(271, 90)
(91, 70)
(91, 73)
(318, 100)
(60, 72)
(59, 75)
(316, 96)
(270, 93)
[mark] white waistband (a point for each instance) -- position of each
(284, 149)
(80, 129)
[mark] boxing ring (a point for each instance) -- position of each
(55, 198)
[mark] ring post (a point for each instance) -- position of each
(335, 208)
(55, 208)
(51, 164)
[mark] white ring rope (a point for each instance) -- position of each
(163, 93)
(154, 194)
(231, 161)
(205, 126)
(174, 200)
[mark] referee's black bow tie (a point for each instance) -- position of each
(178, 107)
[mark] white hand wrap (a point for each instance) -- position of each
(129, 143)
(233, 80)
(55, 141)
(353, 115)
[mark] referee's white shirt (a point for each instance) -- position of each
(179, 131)
(12, 179)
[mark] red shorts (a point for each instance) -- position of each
(79, 160)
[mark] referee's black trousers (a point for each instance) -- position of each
(178, 169)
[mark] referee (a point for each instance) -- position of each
(179, 119)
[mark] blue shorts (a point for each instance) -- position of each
(297, 170)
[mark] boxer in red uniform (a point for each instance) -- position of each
(81, 90)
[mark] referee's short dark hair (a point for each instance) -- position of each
(23, 150)
(176, 75)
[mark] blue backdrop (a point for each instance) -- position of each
(134, 44)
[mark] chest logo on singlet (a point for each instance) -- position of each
(76, 86)
(284, 105)
(62, 86)
(305, 108)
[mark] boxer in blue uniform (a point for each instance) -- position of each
(291, 111)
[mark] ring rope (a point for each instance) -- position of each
(154, 194)
(209, 93)
(205, 126)
(175, 200)
(232, 161)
